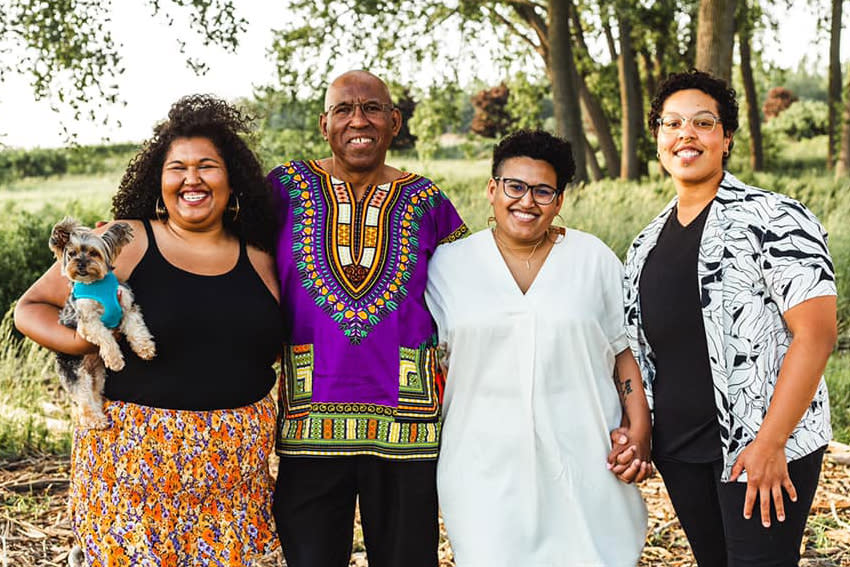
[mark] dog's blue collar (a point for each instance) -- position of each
(105, 292)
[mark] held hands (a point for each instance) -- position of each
(767, 475)
(629, 458)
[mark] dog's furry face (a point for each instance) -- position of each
(84, 255)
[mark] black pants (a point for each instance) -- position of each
(314, 510)
(712, 514)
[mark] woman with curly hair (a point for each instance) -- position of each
(731, 313)
(180, 476)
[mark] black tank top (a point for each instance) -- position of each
(216, 337)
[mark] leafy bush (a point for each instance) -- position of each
(435, 114)
(51, 162)
(777, 101)
(803, 119)
(278, 146)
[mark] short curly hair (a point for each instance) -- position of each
(203, 116)
(722, 93)
(537, 144)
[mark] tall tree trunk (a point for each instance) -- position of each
(591, 105)
(834, 94)
(602, 127)
(595, 170)
(753, 116)
(715, 37)
(565, 95)
(630, 101)
(649, 66)
(842, 166)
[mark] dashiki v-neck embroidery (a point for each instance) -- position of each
(363, 275)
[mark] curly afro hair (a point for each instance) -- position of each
(537, 144)
(203, 116)
(723, 94)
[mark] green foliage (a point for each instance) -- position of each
(18, 164)
(772, 143)
(434, 115)
(838, 382)
(288, 127)
(803, 119)
(529, 102)
(66, 51)
(390, 36)
(806, 81)
(38, 162)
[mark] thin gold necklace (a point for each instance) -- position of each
(510, 250)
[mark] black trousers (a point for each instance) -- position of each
(314, 510)
(712, 514)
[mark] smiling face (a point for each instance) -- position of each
(522, 221)
(359, 142)
(195, 186)
(690, 156)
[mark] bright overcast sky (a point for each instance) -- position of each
(156, 74)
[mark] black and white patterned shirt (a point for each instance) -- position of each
(761, 254)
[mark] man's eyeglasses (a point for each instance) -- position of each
(370, 109)
(515, 189)
(704, 122)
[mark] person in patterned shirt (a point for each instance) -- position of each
(361, 391)
(731, 313)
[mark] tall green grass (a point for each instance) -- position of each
(838, 382)
(34, 411)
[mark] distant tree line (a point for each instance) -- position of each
(598, 96)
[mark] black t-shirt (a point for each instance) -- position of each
(685, 427)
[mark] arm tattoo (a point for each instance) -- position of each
(624, 387)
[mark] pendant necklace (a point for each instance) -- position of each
(510, 251)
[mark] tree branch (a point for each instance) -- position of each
(530, 16)
(539, 48)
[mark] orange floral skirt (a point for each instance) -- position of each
(170, 488)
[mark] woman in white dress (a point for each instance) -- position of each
(532, 318)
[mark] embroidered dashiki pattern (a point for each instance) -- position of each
(360, 369)
(174, 487)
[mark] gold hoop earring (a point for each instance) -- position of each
(160, 210)
(557, 230)
(726, 153)
(491, 222)
(234, 208)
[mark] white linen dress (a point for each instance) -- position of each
(528, 407)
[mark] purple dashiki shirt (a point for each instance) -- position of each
(361, 374)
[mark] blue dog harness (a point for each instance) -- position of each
(105, 292)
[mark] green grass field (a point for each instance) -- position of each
(34, 413)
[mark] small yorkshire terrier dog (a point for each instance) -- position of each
(98, 303)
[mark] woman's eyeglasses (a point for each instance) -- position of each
(515, 188)
(704, 122)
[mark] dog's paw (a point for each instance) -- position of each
(93, 420)
(146, 349)
(76, 558)
(112, 360)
